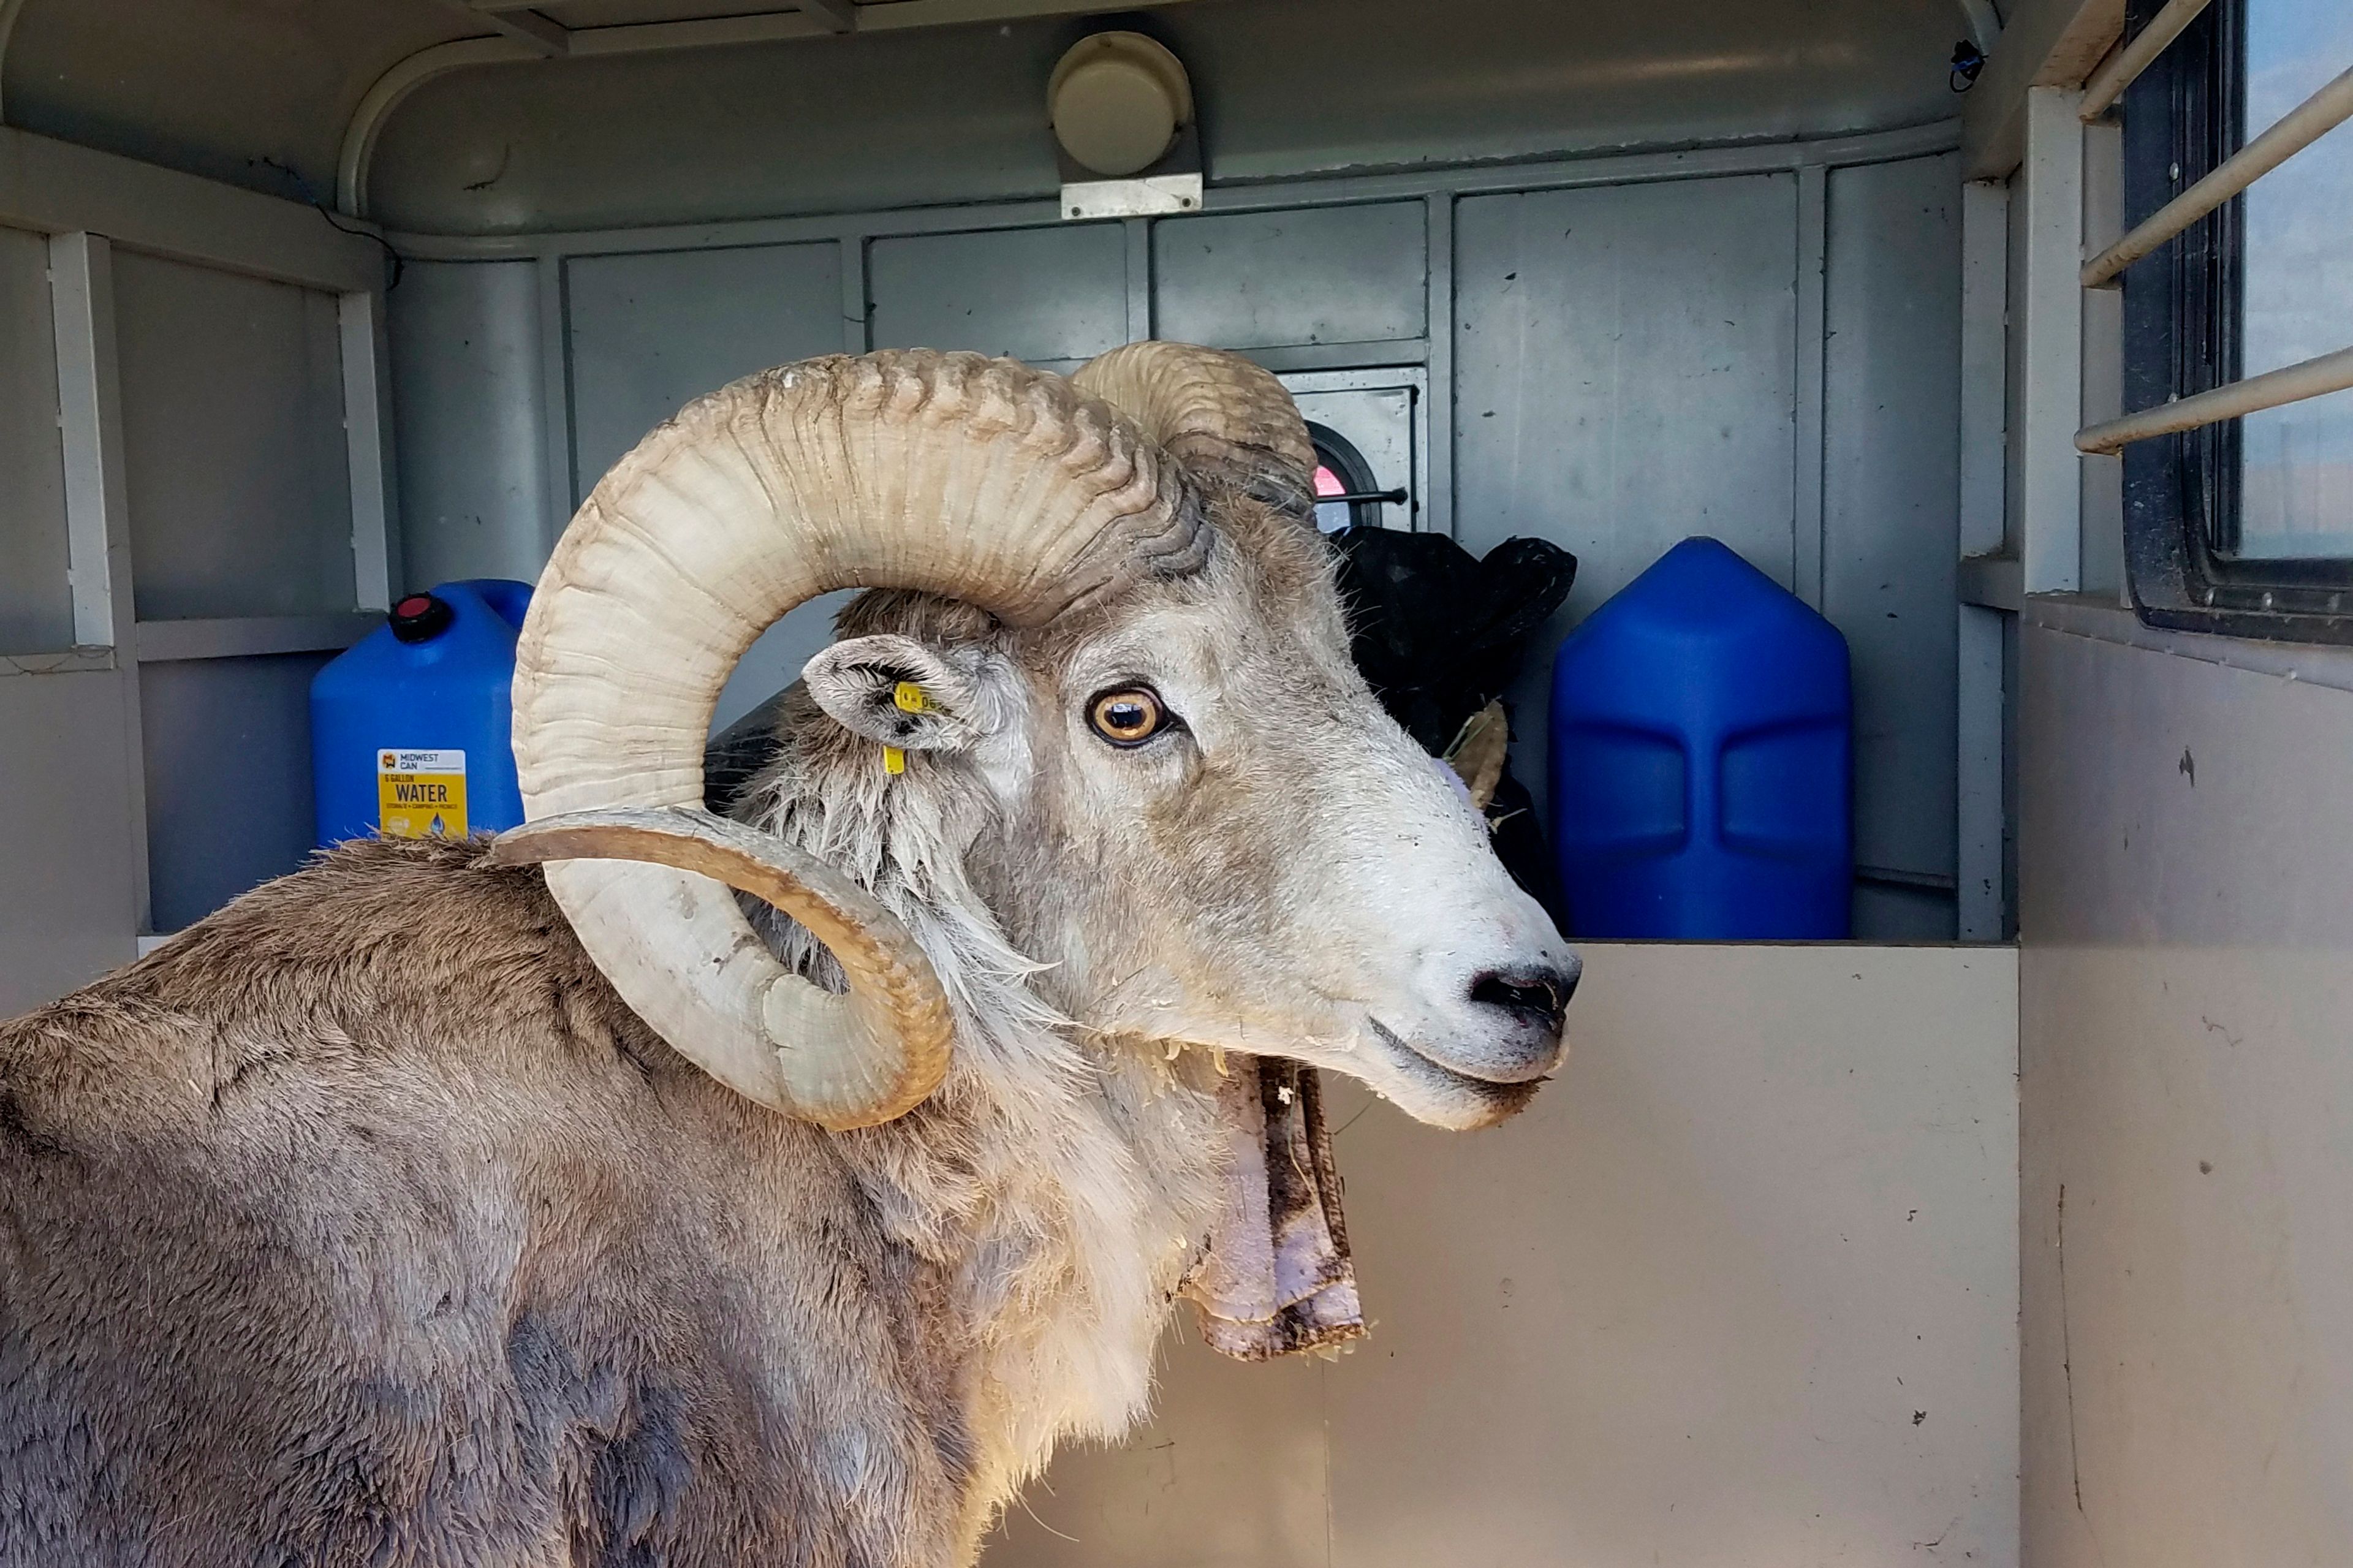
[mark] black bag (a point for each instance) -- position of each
(1439, 634)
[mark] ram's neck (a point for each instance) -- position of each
(1056, 1192)
(1062, 1223)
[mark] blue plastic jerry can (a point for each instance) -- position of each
(1702, 742)
(410, 727)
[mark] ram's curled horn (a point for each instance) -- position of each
(1214, 412)
(973, 478)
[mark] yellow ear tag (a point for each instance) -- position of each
(908, 697)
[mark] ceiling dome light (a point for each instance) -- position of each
(1117, 102)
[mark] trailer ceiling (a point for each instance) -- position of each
(276, 94)
(262, 92)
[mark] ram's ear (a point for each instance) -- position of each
(899, 692)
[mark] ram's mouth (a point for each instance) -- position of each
(1468, 1102)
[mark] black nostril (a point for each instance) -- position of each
(1538, 996)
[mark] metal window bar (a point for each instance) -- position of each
(2123, 67)
(2298, 128)
(2273, 389)
(2302, 126)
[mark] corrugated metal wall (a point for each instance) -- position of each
(1619, 355)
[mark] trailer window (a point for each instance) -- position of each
(2295, 464)
(2244, 525)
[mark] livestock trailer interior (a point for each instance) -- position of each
(2011, 336)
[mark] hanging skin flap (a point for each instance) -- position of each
(1276, 1278)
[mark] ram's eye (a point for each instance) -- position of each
(1127, 715)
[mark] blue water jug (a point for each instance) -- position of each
(409, 728)
(1702, 733)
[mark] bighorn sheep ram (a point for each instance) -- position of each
(430, 1207)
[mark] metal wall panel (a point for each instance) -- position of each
(228, 777)
(66, 855)
(238, 471)
(1886, 910)
(1041, 295)
(2186, 907)
(649, 332)
(1769, 357)
(1891, 525)
(1321, 275)
(36, 603)
(1738, 1289)
(1625, 377)
(469, 419)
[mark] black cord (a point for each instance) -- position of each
(1969, 60)
(399, 263)
(310, 198)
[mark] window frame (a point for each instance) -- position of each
(2183, 324)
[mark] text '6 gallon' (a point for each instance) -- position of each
(1702, 725)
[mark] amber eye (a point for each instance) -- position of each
(1128, 715)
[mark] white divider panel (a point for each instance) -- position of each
(1740, 1289)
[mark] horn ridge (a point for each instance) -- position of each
(1216, 413)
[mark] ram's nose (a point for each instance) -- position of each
(1535, 998)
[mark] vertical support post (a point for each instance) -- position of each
(1437, 485)
(1417, 475)
(1805, 505)
(2051, 342)
(89, 419)
(1985, 363)
(2102, 524)
(97, 503)
(1981, 815)
(857, 317)
(359, 318)
(1139, 278)
(1977, 795)
(555, 394)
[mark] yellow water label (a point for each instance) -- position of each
(421, 795)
